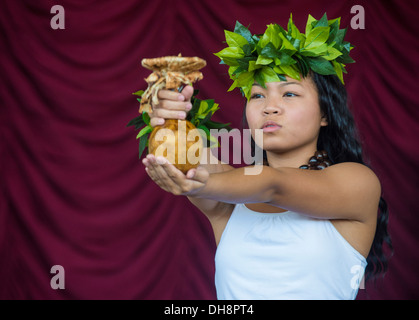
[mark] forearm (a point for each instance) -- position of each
(234, 186)
(213, 164)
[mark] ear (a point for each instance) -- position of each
(323, 121)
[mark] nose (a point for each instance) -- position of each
(272, 107)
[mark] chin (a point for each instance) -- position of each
(273, 143)
(275, 148)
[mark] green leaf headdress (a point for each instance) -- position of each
(277, 53)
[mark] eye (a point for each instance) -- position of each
(256, 96)
(290, 94)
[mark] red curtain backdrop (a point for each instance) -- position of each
(75, 194)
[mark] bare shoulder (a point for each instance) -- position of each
(356, 175)
(361, 184)
(349, 191)
(365, 189)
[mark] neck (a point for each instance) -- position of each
(291, 158)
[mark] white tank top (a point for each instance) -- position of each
(285, 256)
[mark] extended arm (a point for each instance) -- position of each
(343, 191)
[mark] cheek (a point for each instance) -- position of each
(251, 117)
(305, 121)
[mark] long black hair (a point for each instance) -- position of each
(341, 141)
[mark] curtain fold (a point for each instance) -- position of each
(75, 194)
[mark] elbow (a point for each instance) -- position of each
(275, 190)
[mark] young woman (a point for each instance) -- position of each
(288, 232)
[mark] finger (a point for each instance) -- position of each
(157, 173)
(191, 173)
(170, 95)
(199, 174)
(171, 171)
(187, 92)
(172, 105)
(145, 162)
(175, 178)
(149, 173)
(158, 182)
(165, 113)
(154, 122)
(150, 170)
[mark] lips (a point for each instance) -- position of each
(270, 126)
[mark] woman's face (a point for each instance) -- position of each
(288, 112)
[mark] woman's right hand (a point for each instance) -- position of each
(175, 105)
(172, 105)
(172, 180)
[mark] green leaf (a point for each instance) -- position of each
(247, 90)
(321, 66)
(146, 118)
(338, 69)
(259, 78)
(269, 75)
(340, 35)
(203, 127)
(290, 71)
(217, 125)
(282, 77)
(208, 137)
(285, 60)
(292, 29)
(309, 25)
(245, 78)
(195, 107)
(233, 86)
(232, 69)
(253, 66)
(139, 93)
(202, 108)
(335, 21)
(144, 131)
(244, 62)
(315, 52)
(263, 42)
(137, 122)
(234, 39)
(334, 28)
(263, 60)
(287, 46)
(272, 35)
(316, 37)
(229, 61)
(297, 42)
(247, 49)
(230, 52)
(244, 32)
(323, 22)
(270, 51)
(142, 145)
(214, 108)
(207, 117)
(332, 53)
(345, 59)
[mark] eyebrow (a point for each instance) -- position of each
(282, 83)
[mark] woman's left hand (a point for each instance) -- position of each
(172, 180)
